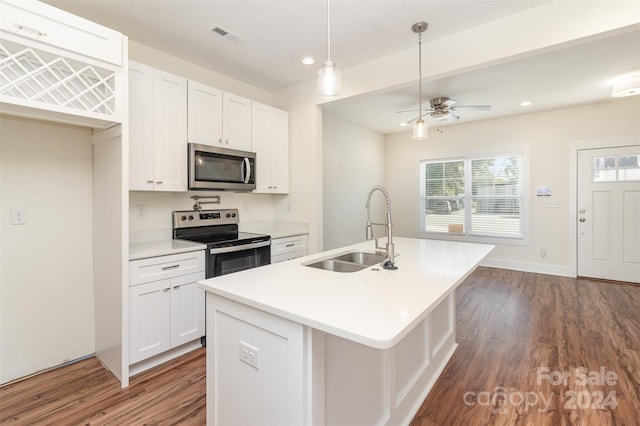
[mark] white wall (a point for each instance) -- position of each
(46, 275)
(353, 162)
(548, 137)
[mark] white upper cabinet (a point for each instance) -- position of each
(270, 136)
(236, 122)
(60, 67)
(204, 114)
(158, 130)
(218, 118)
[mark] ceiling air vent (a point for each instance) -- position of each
(225, 34)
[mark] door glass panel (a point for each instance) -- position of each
(604, 169)
(629, 167)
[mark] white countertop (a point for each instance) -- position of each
(143, 250)
(375, 308)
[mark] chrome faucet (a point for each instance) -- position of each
(388, 250)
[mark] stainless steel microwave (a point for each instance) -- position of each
(213, 168)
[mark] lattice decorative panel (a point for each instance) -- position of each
(36, 75)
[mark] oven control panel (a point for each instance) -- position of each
(192, 218)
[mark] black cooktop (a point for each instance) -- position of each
(231, 238)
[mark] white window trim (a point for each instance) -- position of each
(513, 151)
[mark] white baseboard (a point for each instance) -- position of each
(539, 268)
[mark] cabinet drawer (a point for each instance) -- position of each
(164, 267)
(51, 26)
(288, 248)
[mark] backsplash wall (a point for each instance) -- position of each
(157, 207)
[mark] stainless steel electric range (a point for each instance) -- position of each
(228, 250)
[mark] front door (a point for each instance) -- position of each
(608, 217)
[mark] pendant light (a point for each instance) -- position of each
(329, 83)
(420, 128)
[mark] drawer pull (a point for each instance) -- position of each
(21, 27)
(164, 290)
(290, 245)
(166, 268)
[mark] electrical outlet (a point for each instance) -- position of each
(18, 216)
(141, 210)
(249, 354)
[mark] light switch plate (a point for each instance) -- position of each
(18, 216)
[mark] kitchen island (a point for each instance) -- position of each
(291, 344)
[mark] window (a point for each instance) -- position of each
(612, 169)
(480, 197)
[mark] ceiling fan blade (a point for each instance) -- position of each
(412, 120)
(452, 117)
(449, 103)
(476, 107)
(425, 109)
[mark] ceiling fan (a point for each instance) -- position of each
(442, 108)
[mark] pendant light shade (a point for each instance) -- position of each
(420, 128)
(329, 79)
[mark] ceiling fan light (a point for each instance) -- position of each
(420, 130)
(329, 80)
(626, 86)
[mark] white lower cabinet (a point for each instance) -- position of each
(287, 248)
(170, 310)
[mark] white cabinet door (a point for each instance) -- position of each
(170, 131)
(204, 112)
(260, 126)
(236, 122)
(158, 130)
(280, 152)
(149, 322)
(270, 137)
(140, 127)
(187, 309)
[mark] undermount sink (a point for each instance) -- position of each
(362, 258)
(337, 266)
(348, 262)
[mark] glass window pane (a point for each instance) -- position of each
(629, 167)
(495, 192)
(604, 169)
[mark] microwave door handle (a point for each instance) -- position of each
(247, 168)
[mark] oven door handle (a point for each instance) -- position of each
(240, 247)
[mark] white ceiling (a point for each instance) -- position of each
(276, 34)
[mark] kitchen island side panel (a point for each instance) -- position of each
(255, 366)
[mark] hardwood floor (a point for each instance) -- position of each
(517, 333)
(86, 393)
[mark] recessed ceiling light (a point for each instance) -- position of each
(626, 85)
(404, 124)
(308, 61)
(525, 103)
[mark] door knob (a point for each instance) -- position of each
(582, 219)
